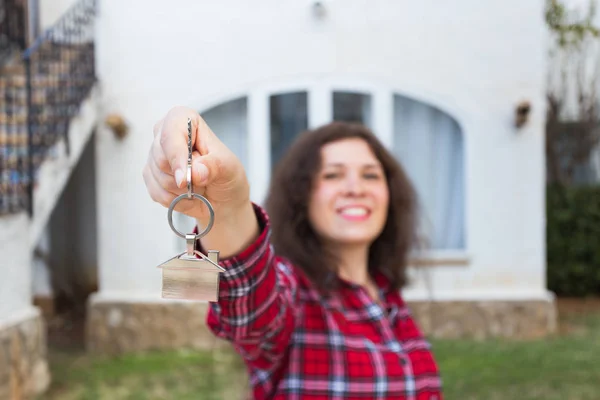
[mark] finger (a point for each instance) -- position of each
(156, 192)
(174, 138)
(164, 179)
(205, 138)
(205, 168)
(158, 127)
(164, 197)
(201, 132)
(160, 159)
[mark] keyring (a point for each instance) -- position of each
(190, 193)
(194, 196)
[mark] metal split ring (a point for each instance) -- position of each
(211, 211)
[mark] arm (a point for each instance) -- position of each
(232, 232)
(255, 310)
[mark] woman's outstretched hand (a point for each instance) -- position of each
(217, 174)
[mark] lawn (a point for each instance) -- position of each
(565, 367)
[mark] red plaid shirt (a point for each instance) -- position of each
(298, 345)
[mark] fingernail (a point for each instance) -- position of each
(178, 177)
(202, 172)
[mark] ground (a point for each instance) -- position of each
(564, 367)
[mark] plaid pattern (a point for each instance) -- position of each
(298, 345)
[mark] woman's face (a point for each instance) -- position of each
(349, 202)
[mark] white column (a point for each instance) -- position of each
(320, 105)
(383, 116)
(23, 345)
(259, 155)
(15, 261)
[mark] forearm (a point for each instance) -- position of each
(257, 296)
(232, 231)
(256, 308)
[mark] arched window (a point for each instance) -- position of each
(428, 142)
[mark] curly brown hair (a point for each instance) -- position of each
(287, 206)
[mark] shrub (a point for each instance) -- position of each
(573, 240)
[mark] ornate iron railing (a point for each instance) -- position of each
(39, 100)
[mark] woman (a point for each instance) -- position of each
(311, 294)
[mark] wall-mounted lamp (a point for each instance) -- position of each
(522, 112)
(117, 124)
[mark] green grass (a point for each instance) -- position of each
(562, 368)
(165, 375)
(566, 367)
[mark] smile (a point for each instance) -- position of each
(354, 213)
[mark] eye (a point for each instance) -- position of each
(372, 176)
(331, 175)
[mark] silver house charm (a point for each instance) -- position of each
(191, 278)
(191, 275)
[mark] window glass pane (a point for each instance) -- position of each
(352, 107)
(288, 118)
(429, 144)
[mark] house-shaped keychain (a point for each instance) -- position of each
(188, 277)
(191, 275)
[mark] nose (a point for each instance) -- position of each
(354, 185)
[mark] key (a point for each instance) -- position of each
(191, 275)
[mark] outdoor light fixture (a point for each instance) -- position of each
(117, 124)
(522, 113)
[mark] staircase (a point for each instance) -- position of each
(47, 114)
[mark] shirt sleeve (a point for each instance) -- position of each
(255, 309)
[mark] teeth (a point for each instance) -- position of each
(354, 211)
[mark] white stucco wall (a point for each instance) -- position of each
(15, 268)
(473, 59)
(51, 10)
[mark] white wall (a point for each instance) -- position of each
(473, 59)
(51, 10)
(15, 268)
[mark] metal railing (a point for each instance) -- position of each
(39, 100)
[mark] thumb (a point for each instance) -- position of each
(205, 168)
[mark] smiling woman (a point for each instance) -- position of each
(310, 294)
(321, 313)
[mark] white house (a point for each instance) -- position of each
(438, 82)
